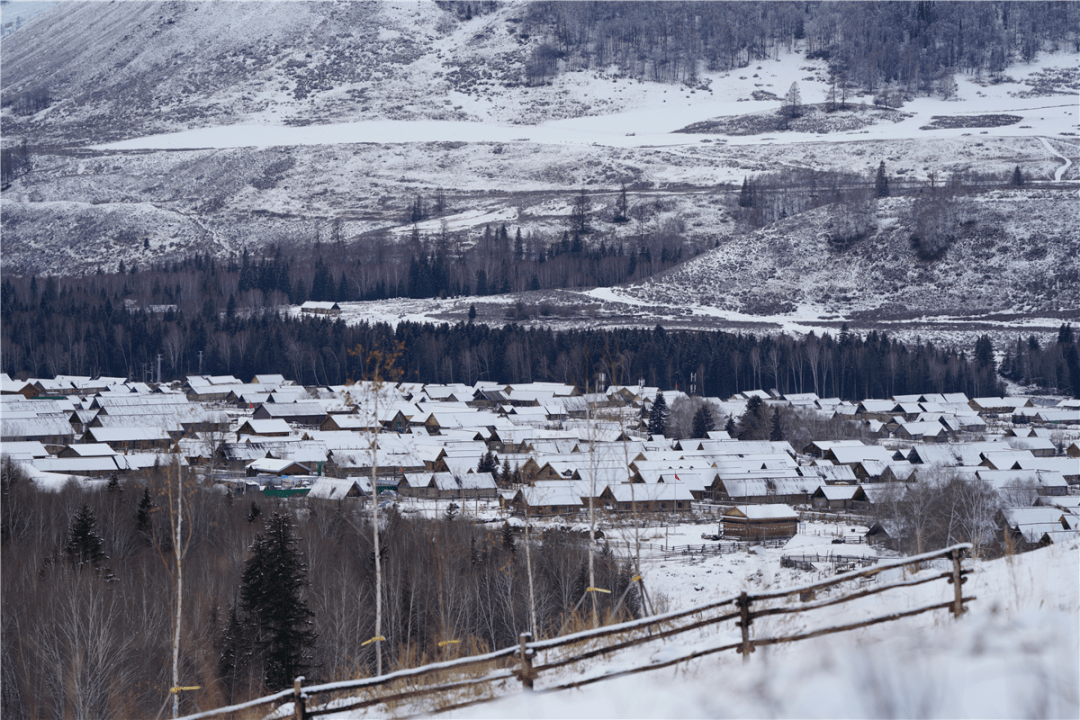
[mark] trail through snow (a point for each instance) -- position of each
(1061, 170)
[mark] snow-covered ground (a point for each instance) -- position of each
(647, 115)
(1014, 654)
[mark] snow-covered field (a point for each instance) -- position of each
(282, 145)
(639, 115)
(1014, 654)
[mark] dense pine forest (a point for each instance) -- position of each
(84, 326)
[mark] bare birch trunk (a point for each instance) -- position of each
(178, 551)
(592, 509)
(528, 569)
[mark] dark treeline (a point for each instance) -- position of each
(1055, 366)
(76, 326)
(911, 46)
(442, 264)
(89, 594)
(14, 161)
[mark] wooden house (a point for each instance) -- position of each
(834, 497)
(546, 500)
(300, 413)
(271, 466)
(46, 429)
(263, 428)
(1033, 527)
(315, 307)
(130, 438)
(760, 522)
(338, 488)
(639, 497)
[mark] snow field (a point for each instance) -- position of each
(1012, 655)
(619, 112)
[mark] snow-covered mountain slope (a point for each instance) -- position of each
(1012, 253)
(299, 117)
(1012, 655)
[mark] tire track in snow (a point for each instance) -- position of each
(1060, 172)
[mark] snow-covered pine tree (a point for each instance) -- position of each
(658, 415)
(272, 600)
(702, 422)
(881, 183)
(84, 545)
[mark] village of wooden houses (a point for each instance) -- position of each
(546, 452)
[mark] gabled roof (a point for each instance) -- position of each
(333, 488)
(836, 492)
(278, 467)
(661, 492)
(542, 496)
(264, 427)
(762, 512)
(127, 434)
(1035, 523)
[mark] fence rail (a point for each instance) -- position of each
(527, 661)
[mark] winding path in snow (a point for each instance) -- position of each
(1060, 173)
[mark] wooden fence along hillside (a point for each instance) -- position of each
(477, 679)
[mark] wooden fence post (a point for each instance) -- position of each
(299, 709)
(744, 623)
(957, 581)
(526, 671)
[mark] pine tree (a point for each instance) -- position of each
(1017, 177)
(658, 415)
(702, 422)
(830, 98)
(272, 600)
(752, 423)
(881, 184)
(508, 538)
(776, 434)
(580, 214)
(622, 205)
(746, 194)
(507, 475)
(144, 521)
(84, 545)
(234, 652)
(253, 512)
(792, 107)
(729, 427)
(472, 313)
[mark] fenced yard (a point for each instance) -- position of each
(564, 662)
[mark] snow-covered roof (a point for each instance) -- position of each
(770, 511)
(660, 492)
(326, 488)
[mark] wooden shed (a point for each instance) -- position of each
(760, 522)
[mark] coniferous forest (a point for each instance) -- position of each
(84, 326)
(77, 326)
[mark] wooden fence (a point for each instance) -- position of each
(478, 679)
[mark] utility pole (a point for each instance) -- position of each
(200, 362)
(159, 368)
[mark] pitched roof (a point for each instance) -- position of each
(763, 512)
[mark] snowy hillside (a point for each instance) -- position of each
(1013, 655)
(215, 127)
(1012, 255)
